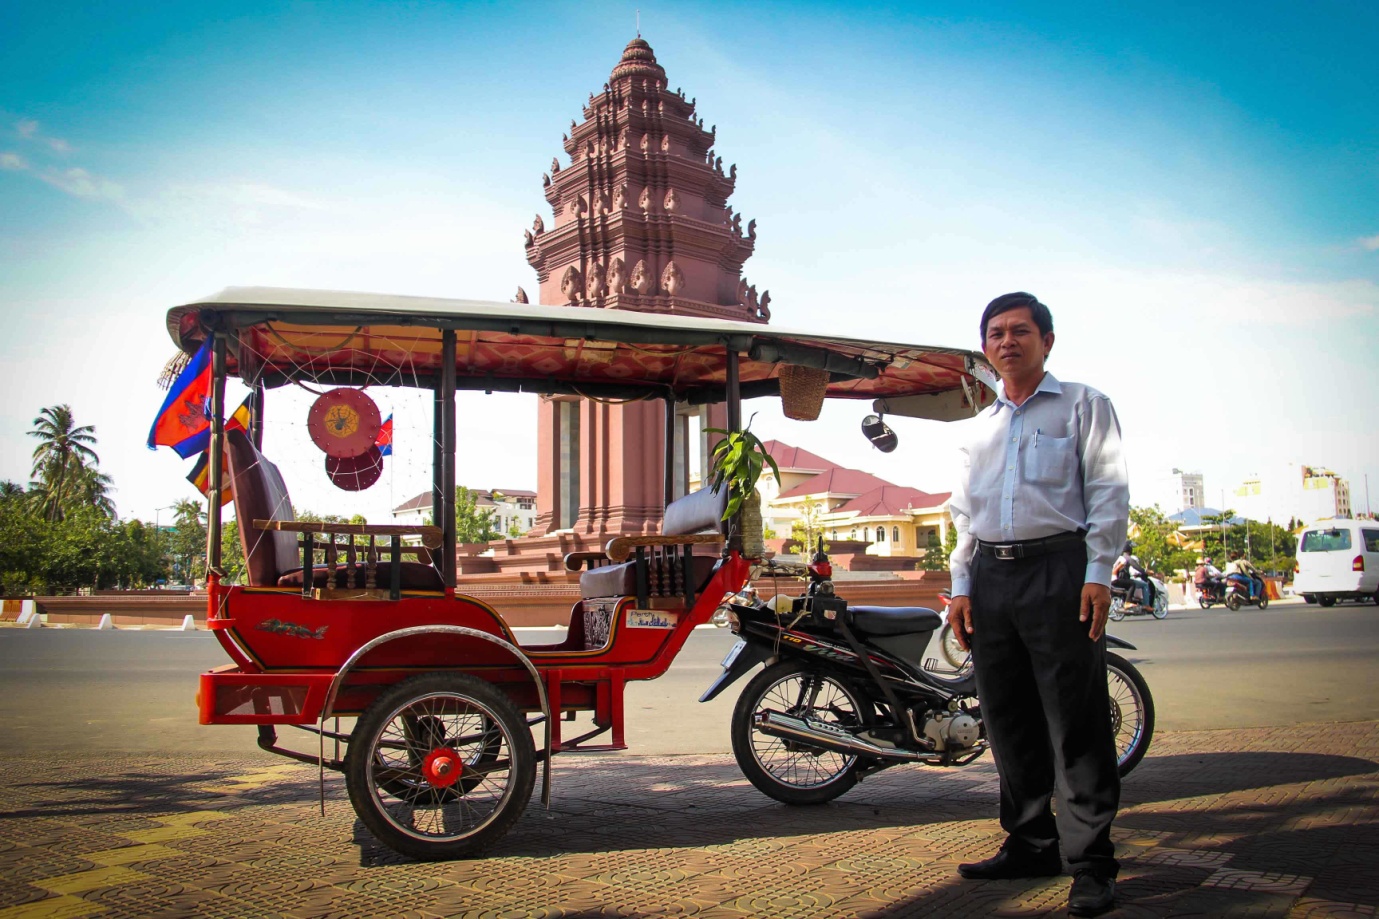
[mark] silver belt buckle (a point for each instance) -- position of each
(1004, 552)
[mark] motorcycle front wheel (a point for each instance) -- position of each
(791, 771)
(1132, 712)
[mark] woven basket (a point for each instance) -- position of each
(802, 391)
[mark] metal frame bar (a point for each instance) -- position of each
(447, 438)
(217, 448)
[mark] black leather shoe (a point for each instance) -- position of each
(1010, 863)
(1092, 894)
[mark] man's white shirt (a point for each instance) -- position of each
(1052, 465)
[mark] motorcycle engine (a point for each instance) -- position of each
(952, 730)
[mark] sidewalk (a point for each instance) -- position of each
(1261, 822)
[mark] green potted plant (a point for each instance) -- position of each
(738, 461)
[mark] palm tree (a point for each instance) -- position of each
(63, 452)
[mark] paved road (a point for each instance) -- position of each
(69, 691)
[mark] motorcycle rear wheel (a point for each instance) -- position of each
(1160, 609)
(1233, 602)
(1132, 712)
(1204, 602)
(788, 770)
(953, 654)
(1117, 611)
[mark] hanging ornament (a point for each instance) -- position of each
(355, 473)
(343, 423)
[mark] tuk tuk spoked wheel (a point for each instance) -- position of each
(791, 771)
(440, 766)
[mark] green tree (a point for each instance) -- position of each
(472, 524)
(807, 528)
(187, 545)
(934, 558)
(64, 450)
(1155, 545)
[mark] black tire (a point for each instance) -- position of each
(1132, 712)
(1325, 600)
(1376, 599)
(1233, 602)
(1160, 610)
(1264, 601)
(1309, 598)
(787, 770)
(1203, 602)
(476, 724)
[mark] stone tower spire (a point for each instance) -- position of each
(641, 215)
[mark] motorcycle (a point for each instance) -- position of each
(1240, 592)
(1123, 605)
(844, 694)
(1210, 592)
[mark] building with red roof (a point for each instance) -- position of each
(850, 504)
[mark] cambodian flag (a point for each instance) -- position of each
(384, 441)
(183, 422)
(200, 476)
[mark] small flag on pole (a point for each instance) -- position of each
(182, 422)
(200, 476)
(384, 441)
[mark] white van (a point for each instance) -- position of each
(1338, 560)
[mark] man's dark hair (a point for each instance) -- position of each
(1007, 302)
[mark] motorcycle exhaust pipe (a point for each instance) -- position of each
(828, 737)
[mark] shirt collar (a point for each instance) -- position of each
(1048, 384)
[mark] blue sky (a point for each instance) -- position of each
(1194, 191)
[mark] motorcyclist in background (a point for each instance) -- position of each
(1208, 578)
(1128, 571)
(1241, 567)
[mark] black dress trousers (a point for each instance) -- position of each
(1041, 683)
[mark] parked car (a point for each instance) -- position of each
(1338, 560)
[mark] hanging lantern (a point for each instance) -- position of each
(344, 423)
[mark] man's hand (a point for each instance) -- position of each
(960, 618)
(1096, 603)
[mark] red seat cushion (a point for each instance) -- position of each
(415, 576)
(621, 580)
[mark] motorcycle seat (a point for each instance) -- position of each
(894, 620)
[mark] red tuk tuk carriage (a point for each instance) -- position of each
(361, 621)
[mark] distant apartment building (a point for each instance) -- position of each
(1179, 491)
(510, 506)
(1292, 491)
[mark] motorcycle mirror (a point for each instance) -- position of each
(875, 429)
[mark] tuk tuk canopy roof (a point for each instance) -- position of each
(280, 335)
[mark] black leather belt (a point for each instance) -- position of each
(1028, 548)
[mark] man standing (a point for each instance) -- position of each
(1041, 512)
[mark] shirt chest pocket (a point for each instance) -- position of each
(1051, 460)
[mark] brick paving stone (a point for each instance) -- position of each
(1256, 822)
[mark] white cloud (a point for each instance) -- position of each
(12, 161)
(1370, 243)
(81, 183)
(26, 127)
(59, 145)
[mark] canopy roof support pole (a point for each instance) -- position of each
(437, 460)
(217, 448)
(256, 417)
(669, 403)
(733, 393)
(448, 453)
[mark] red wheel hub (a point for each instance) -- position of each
(442, 767)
